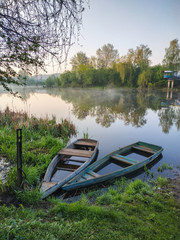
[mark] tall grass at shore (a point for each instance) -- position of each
(41, 139)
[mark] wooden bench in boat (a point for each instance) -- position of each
(85, 143)
(144, 149)
(88, 175)
(67, 167)
(93, 173)
(75, 152)
(77, 160)
(124, 159)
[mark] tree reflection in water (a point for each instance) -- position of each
(168, 117)
(130, 106)
(106, 106)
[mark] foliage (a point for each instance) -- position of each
(106, 56)
(163, 167)
(29, 197)
(172, 56)
(86, 76)
(141, 56)
(107, 70)
(31, 31)
(144, 78)
(126, 211)
(79, 59)
(42, 138)
(53, 82)
(161, 182)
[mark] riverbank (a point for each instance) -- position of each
(129, 210)
(173, 187)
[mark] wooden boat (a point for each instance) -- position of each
(68, 163)
(121, 162)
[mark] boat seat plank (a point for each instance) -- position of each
(144, 149)
(93, 173)
(66, 169)
(124, 159)
(77, 160)
(85, 143)
(75, 152)
(87, 176)
(81, 179)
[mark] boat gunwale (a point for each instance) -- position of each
(108, 176)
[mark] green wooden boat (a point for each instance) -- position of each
(119, 163)
(68, 162)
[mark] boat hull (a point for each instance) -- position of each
(64, 164)
(132, 165)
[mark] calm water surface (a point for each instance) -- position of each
(114, 117)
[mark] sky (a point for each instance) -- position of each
(127, 24)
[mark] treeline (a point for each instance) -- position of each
(126, 75)
(108, 69)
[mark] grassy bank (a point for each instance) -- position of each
(129, 211)
(42, 138)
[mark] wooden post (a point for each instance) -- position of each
(168, 84)
(19, 157)
(171, 94)
(172, 84)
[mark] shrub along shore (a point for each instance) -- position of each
(126, 210)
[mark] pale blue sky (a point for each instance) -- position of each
(129, 23)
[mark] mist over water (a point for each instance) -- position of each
(115, 117)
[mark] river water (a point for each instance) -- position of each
(115, 117)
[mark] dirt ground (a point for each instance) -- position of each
(174, 187)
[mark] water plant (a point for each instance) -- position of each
(161, 182)
(86, 134)
(164, 167)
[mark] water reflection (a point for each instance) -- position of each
(107, 106)
(130, 107)
(169, 117)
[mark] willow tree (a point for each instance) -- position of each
(32, 31)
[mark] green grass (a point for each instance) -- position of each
(41, 140)
(131, 210)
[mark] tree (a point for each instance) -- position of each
(144, 78)
(141, 56)
(93, 62)
(126, 71)
(31, 31)
(49, 82)
(79, 59)
(172, 56)
(106, 56)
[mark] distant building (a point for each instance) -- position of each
(171, 74)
